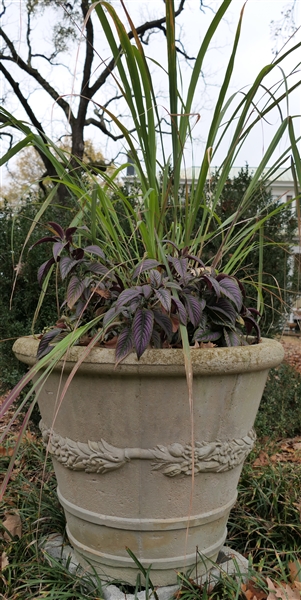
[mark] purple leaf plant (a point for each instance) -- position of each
(144, 307)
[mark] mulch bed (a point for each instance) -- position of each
(292, 349)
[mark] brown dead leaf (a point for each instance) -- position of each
(284, 592)
(85, 340)
(292, 349)
(204, 345)
(6, 451)
(3, 561)
(14, 474)
(251, 592)
(112, 343)
(13, 525)
(262, 460)
(276, 458)
(288, 455)
(295, 572)
(29, 437)
(103, 293)
(175, 323)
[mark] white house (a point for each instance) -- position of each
(281, 187)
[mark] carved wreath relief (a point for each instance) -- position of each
(175, 459)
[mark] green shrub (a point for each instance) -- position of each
(16, 320)
(279, 415)
(265, 522)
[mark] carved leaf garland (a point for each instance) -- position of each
(174, 459)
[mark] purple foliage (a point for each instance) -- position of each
(45, 344)
(95, 250)
(127, 296)
(180, 264)
(180, 308)
(151, 312)
(58, 230)
(124, 344)
(142, 328)
(194, 309)
(145, 265)
(230, 289)
(75, 289)
(155, 278)
(164, 323)
(44, 268)
(66, 265)
(164, 297)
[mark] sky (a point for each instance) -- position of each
(255, 51)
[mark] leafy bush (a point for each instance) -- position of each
(137, 306)
(17, 320)
(279, 413)
(265, 522)
(277, 233)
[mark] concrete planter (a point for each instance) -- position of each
(121, 445)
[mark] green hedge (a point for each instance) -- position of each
(279, 414)
(16, 320)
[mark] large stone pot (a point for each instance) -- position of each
(121, 444)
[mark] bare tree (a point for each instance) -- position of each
(285, 27)
(28, 64)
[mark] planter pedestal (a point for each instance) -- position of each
(123, 452)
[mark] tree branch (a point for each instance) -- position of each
(29, 112)
(3, 11)
(11, 137)
(28, 30)
(36, 75)
(141, 30)
(162, 28)
(85, 94)
(117, 97)
(89, 50)
(16, 88)
(101, 125)
(49, 59)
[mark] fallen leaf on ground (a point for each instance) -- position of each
(13, 525)
(292, 351)
(282, 592)
(262, 460)
(295, 573)
(3, 561)
(6, 451)
(29, 437)
(290, 456)
(251, 592)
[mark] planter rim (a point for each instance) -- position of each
(268, 353)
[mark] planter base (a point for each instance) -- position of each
(228, 562)
(144, 535)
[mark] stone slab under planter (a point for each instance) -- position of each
(130, 473)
